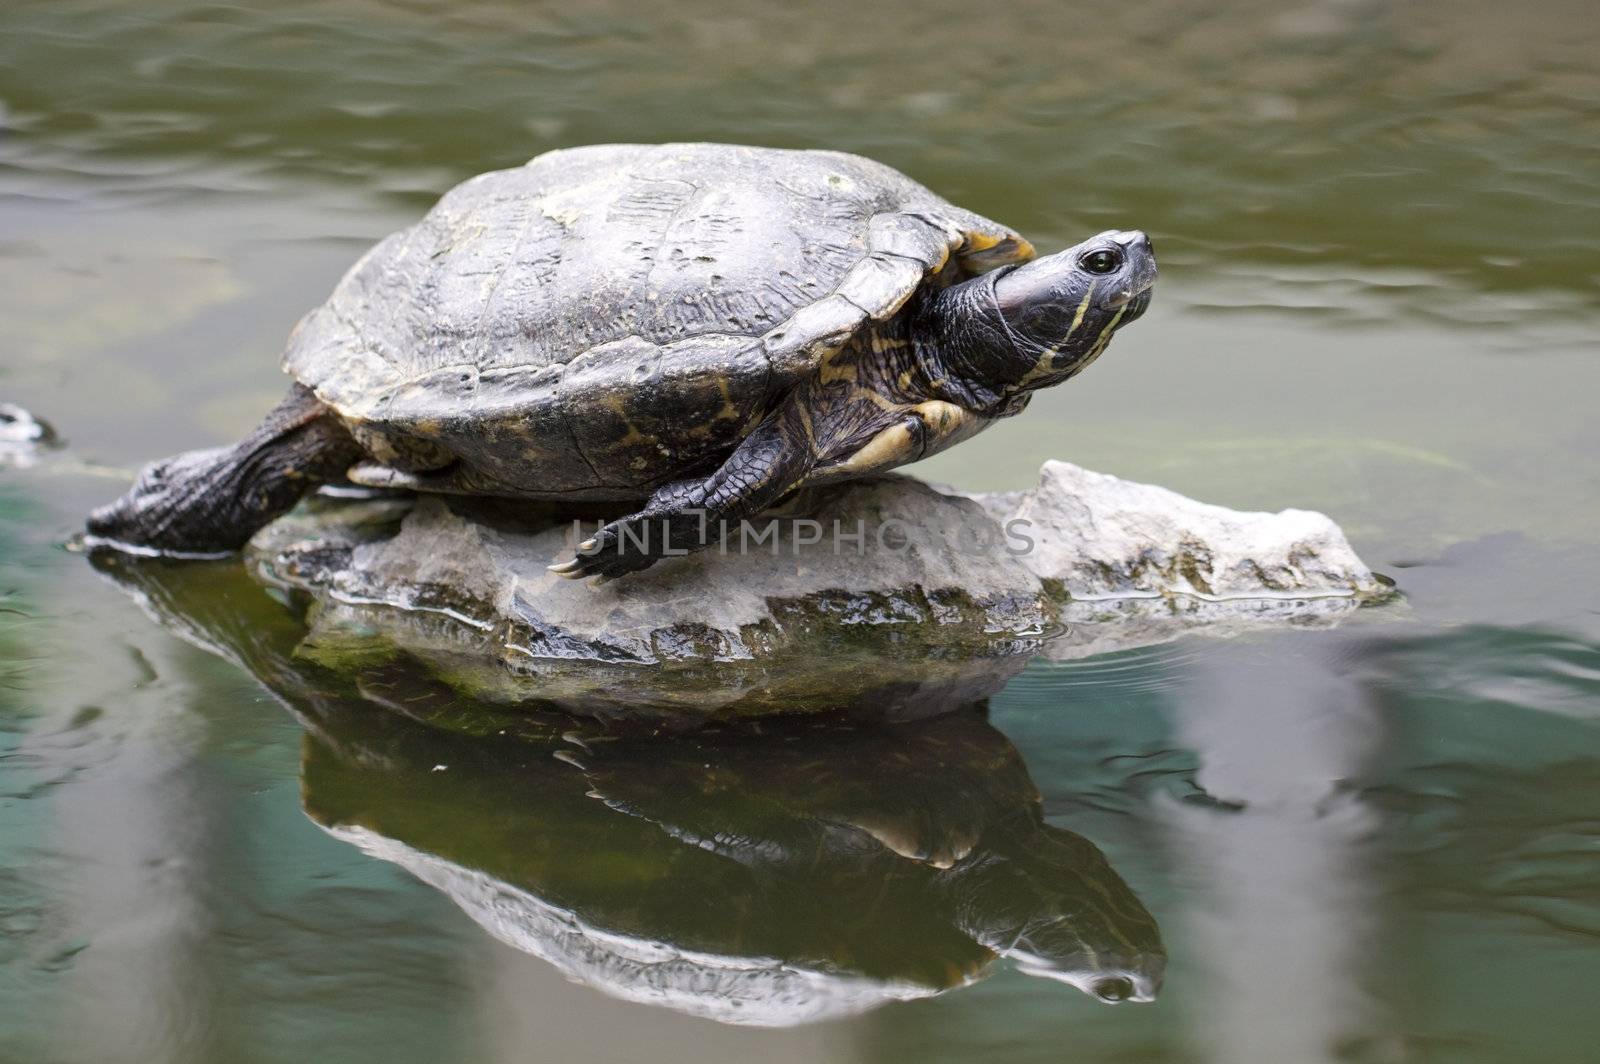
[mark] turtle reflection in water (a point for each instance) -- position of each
(769, 874)
(772, 878)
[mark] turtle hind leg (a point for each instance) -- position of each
(687, 516)
(214, 500)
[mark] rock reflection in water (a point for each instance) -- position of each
(767, 873)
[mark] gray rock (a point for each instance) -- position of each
(1132, 564)
(1101, 537)
(886, 591)
(23, 437)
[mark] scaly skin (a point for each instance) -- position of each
(206, 502)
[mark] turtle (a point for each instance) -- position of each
(697, 328)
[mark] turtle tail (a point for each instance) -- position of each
(208, 502)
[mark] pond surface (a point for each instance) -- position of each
(1380, 299)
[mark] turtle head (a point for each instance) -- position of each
(1050, 902)
(1060, 312)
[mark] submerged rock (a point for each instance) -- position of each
(886, 592)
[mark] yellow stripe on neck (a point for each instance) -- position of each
(1041, 367)
(1102, 341)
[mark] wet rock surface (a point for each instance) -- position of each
(904, 626)
(885, 592)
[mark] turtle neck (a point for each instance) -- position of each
(965, 352)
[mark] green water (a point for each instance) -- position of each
(1380, 295)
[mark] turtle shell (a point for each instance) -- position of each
(606, 319)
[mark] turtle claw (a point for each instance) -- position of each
(567, 569)
(610, 553)
(607, 566)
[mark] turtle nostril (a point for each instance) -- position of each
(1136, 238)
(1114, 989)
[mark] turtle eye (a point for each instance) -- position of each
(1103, 260)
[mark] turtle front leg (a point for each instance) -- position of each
(687, 516)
